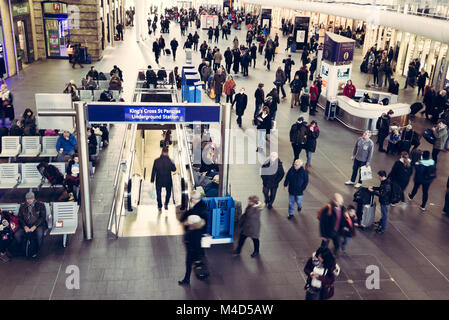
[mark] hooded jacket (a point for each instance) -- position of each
(420, 171)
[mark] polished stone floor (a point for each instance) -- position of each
(411, 255)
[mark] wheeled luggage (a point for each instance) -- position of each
(369, 211)
(428, 135)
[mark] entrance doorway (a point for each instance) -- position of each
(23, 56)
(57, 36)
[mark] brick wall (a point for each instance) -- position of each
(89, 27)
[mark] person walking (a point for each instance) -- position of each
(296, 87)
(174, 46)
(161, 43)
(428, 99)
(440, 133)
(425, 173)
(401, 173)
(217, 59)
(288, 63)
(229, 89)
(240, 101)
(422, 78)
(76, 56)
(350, 221)
(263, 121)
(331, 218)
(259, 95)
(156, 50)
(246, 60)
(253, 51)
(314, 95)
(228, 59)
(218, 81)
(216, 34)
(210, 34)
(161, 172)
(298, 137)
(272, 172)
(384, 194)
(312, 135)
(249, 226)
(297, 180)
(280, 80)
(203, 50)
(237, 58)
(196, 39)
(362, 155)
(268, 56)
(192, 240)
(321, 270)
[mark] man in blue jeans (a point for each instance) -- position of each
(362, 155)
(384, 193)
(296, 179)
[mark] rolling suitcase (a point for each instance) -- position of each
(293, 47)
(330, 110)
(369, 211)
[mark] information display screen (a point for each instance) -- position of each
(153, 113)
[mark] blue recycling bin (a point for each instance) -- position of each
(220, 223)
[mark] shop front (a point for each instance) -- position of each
(23, 33)
(3, 63)
(56, 29)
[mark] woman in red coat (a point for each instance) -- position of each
(349, 90)
(314, 94)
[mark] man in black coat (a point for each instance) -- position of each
(288, 67)
(298, 137)
(151, 77)
(162, 169)
(297, 180)
(240, 100)
(260, 97)
(393, 88)
(174, 46)
(272, 173)
(228, 59)
(383, 127)
(331, 219)
(253, 51)
(156, 50)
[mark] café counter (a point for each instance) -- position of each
(361, 116)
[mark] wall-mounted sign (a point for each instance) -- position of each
(153, 113)
(20, 9)
(338, 48)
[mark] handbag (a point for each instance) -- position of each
(265, 62)
(212, 93)
(366, 173)
(14, 223)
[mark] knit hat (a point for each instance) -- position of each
(29, 195)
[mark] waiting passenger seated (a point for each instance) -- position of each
(115, 83)
(73, 90)
(72, 179)
(151, 77)
(115, 70)
(65, 145)
(93, 73)
(29, 123)
(32, 221)
(91, 142)
(162, 75)
(16, 129)
(90, 84)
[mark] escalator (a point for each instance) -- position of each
(134, 212)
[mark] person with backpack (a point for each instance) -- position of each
(425, 173)
(272, 172)
(331, 217)
(65, 145)
(440, 133)
(249, 226)
(384, 194)
(297, 180)
(321, 270)
(32, 221)
(298, 137)
(401, 173)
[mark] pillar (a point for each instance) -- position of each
(8, 38)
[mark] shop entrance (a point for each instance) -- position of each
(57, 36)
(3, 70)
(24, 52)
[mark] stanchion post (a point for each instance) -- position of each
(225, 145)
(83, 154)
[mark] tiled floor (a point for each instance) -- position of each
(411, 256)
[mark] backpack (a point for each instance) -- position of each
(430, 172)
(101, 76)
(320, 212)
(51, 173)
(362, 196)
(396, 193)
(106, 96)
